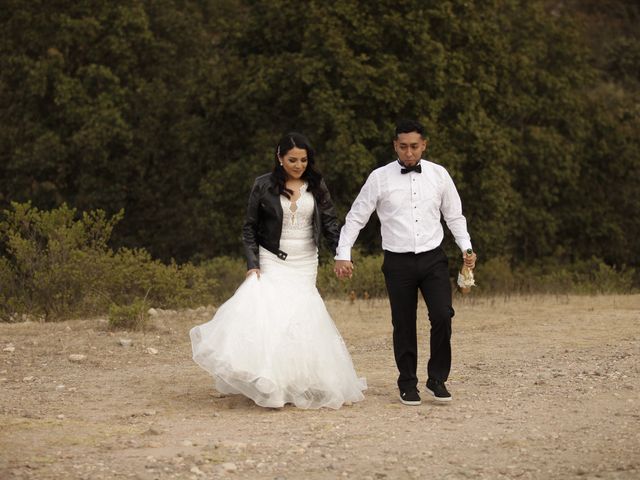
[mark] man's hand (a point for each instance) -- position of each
(343, 268)
(469, 260)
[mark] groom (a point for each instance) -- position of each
(409, 195)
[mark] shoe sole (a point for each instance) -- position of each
(438, 399)
(412, 403)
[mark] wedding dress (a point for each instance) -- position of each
(273, 340)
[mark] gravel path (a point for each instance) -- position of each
(543, 387)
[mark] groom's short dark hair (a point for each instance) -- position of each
(408, 126)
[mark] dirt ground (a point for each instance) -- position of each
(543, 387)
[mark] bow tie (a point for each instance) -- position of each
(416, 168)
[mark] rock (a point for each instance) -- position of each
(149, 413)
(153, 312)
(125, 342)
(30, 378)
(296, 451)
(197, 471)
(60, 388)
(187, 443)
(153, 431)
(77, 357)
(233, 445)
(229, 467)
(9, 348)
(60, 417)
(151, 351)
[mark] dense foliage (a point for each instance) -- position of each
(168, 110)
(57, 267)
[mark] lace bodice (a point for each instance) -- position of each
(297, 216)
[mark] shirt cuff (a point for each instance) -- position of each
(464, 246)
(343, 253)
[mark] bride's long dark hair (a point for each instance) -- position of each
(312, 176)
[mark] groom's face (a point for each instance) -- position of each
(409, 147)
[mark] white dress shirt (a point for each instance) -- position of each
(409, 207)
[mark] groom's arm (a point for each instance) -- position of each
(361, 210)
(451, 208)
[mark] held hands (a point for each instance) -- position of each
(253, 270)
(343, 269)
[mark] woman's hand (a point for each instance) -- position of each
(343, 269)
(253, 270)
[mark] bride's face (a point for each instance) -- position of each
(294, 163)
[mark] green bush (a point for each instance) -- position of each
(591, 276)
(367, 280)
(52, 259)
(594, 276)
(495, 276)
(228, 273)
(58, 265)
(10, 303)
(134, 316)
(133, 273)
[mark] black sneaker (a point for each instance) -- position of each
(410, 397)
(438, 390)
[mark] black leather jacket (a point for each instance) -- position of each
(263, 223)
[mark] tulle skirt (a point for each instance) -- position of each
(274, 341)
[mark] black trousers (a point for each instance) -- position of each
(405, 274)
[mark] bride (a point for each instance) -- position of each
(273, 340)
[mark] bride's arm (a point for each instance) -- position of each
(250, 229)
(328, 218)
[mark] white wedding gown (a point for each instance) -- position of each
(273, 340)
